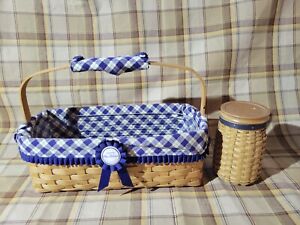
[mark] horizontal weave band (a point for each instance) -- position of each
(243, 126)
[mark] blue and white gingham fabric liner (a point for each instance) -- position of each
(113, 65)
(186, 133)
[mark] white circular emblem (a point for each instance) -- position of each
(110, 155)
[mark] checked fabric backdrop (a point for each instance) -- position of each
(244, 49)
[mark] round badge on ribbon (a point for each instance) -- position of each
(111, 156)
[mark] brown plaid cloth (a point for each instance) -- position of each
(246, 50)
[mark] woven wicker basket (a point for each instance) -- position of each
(54, 178)
(240, 142)
(47, 178)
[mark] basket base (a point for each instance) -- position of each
(235, 181)
(46, 178)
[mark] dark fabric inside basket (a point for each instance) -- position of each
(48, 125)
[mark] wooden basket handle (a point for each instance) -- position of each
(24, 101)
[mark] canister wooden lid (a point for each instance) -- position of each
(242, 112)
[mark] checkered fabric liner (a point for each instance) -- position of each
(113, 65)
(145, 130)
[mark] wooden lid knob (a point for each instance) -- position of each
(242, 112)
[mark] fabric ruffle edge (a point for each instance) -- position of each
(68, 161)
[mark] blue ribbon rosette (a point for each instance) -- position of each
(111, 156)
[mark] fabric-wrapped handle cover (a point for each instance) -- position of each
(112, 65)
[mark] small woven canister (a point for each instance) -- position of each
(240, 141)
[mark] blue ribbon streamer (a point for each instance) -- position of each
(120, 166)
(104, 179)
(125, 178)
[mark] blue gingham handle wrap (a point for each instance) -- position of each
(112, 65)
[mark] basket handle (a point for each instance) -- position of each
(23, 86)
(113, 65)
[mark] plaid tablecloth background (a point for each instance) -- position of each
(246, 50)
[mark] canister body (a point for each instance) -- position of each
(239, 148)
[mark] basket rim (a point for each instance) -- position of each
(195, 140)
